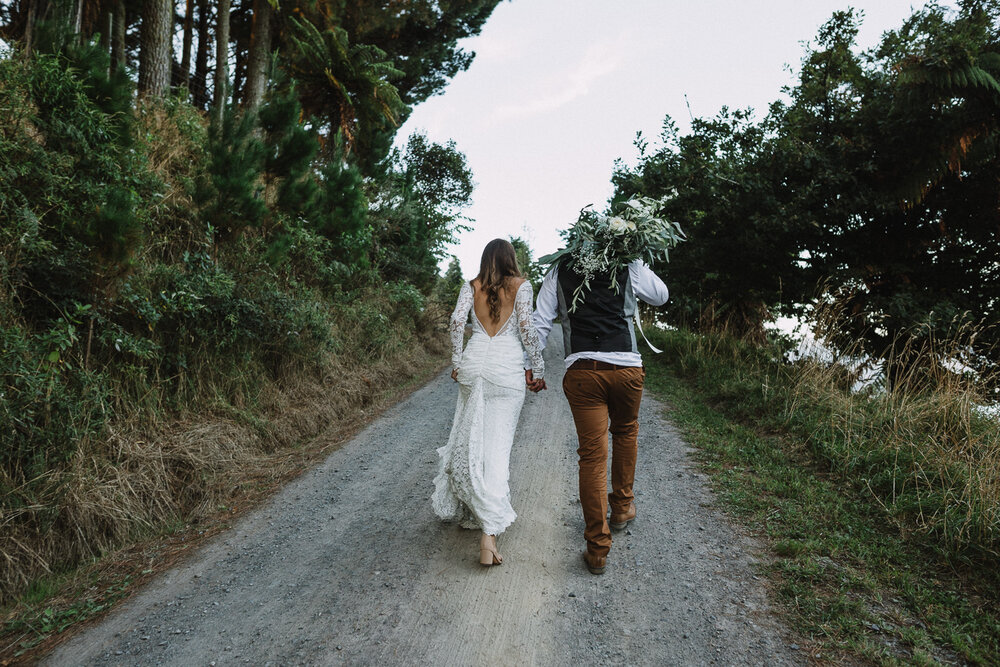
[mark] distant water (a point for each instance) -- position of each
(869, 372)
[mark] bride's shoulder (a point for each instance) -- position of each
(517, 284)
(523, 289)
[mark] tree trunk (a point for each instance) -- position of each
(241, 44)
(185, 77)
(107, 24)
(199, 85)
(259, 61)
(29, 28)
(118, 34)
(221, 59)
(155, 55)
(77, 20)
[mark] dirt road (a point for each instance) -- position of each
(348, 565)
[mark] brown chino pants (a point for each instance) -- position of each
(597, 397)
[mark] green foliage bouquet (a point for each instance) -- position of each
(599, 244)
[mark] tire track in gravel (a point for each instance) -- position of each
(348, 565)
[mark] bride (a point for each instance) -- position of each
(471, 485)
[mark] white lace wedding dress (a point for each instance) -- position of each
(471, 485)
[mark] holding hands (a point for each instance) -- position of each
(529, 379)
(533, 384)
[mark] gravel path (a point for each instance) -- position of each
(348, 565)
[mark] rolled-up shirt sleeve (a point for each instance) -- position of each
(646, 284)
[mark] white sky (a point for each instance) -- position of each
(559, 88)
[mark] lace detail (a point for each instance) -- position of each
(456, 326)
(471, 487)
(527, 331)
(521, 315)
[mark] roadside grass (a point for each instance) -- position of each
(279, 440)
(41, 619)
(856, 559)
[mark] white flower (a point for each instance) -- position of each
(619, 225)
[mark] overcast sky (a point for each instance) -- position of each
(559, 88)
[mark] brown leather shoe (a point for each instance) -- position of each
(619, 522)
(595, 564)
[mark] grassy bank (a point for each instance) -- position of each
(880, 512)
(183, 307)
(140, 500)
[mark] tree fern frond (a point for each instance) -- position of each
(989, 60)
(957, 79)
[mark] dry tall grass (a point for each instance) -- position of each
(920, 442)
(921, 447)
(155, 469)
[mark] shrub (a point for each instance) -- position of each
(148, 287)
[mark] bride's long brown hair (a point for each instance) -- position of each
(498, 265)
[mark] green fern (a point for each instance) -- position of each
(348, 84)
(957, 80)
(961, 75)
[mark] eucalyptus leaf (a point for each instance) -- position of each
(599, 244)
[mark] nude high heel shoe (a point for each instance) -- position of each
(488, 554)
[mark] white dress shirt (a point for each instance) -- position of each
(646, 285)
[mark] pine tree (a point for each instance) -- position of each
(341, 213)
(230, 193)
(115, 230)
(530, 269)
(419, 37)
(290, 148)
(259, 57)
(451, 283)
(107, 85)
(221, 82)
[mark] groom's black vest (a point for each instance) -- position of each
(602, 321)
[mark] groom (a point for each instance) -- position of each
(603, 384)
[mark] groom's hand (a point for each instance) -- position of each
(533, 384)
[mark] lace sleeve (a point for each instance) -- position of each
(529, 336)
(457, 325)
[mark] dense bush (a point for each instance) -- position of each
(70, 184)
(154, 267)
(48, 404)
(873, 184)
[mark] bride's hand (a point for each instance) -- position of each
(454, 375)
(534, 385)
